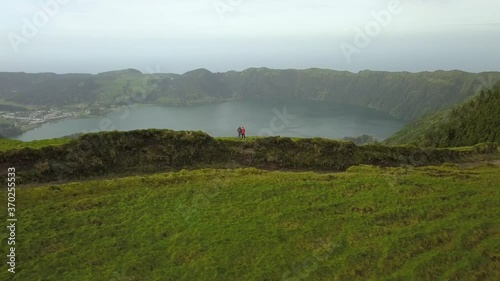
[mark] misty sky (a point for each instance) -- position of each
(220, 35)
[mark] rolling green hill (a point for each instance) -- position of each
(402, 94)
(166, 205)
(476, 120)
(430, 223)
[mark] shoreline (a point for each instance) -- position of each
(78, 112)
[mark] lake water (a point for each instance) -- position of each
(264, 118)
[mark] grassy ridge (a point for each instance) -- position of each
(368, 223)
(147, 151)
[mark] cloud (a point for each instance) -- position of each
(279, 31)
(191, 18)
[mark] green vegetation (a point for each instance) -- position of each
(475, 121)
(149, 151)
(428, 210)
(402, 94)
(363, 139)
(392, 221)
(369, 223)
(8, 145)
(414, 132)
(403, 219)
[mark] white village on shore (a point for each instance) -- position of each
(37, 117)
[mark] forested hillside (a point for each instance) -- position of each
(402, 94)
(475, 121)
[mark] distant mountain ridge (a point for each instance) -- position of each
(404, 95)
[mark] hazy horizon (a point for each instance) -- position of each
(153, 36)
(146, 71)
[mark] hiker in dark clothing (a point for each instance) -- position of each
(239, 132)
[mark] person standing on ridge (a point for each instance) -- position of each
(243, 132)
(239, 132)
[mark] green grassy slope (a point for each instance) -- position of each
(416, 131)
(149, 151)
(8, 144)
(402, 94)
(475, 121)
(431, 223)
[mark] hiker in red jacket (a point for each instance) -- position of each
(243, 132)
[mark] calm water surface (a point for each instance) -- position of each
(264, 118)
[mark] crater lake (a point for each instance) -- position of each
(302, 119)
